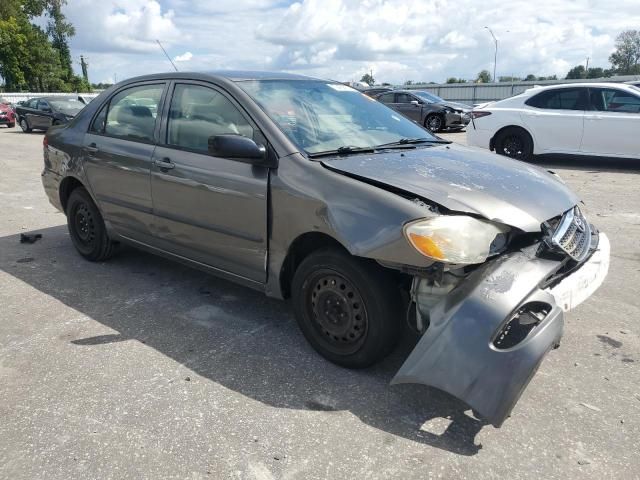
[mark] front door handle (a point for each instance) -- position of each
(164, 164)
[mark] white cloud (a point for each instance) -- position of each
(400, 40)
(185, 57)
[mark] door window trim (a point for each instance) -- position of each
(107, 104)
(584, 90)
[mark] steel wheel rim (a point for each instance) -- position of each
(337, 312)
(513, 147)
(84, 225)
(434, 123)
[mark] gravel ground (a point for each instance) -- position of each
(141, 368)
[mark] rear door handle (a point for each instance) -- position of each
(164, 164)
(91, 148)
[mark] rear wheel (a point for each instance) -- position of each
(86, 227)
(11, 125)
(434, 122)
(347, 308)
(515, 143)
(24, 125)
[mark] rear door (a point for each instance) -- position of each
(555, 119)
(209, 209)
(612, 125)
(117, 152)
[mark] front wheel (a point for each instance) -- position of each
(24, 125)
(86, 227)
(347, 308)
(515, 143)
(434, 122)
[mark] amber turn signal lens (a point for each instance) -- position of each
(426, 246)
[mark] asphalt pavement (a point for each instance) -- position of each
(142, 368)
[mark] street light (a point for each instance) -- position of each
(495, 55)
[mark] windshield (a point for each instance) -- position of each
(319, 116)
(68, 106)
(429, 97)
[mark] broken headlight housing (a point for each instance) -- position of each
(456, 239)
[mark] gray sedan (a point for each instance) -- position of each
(309, 190)
(428, 109)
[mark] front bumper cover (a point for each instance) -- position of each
(457, 352)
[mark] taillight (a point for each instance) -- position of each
(479, 114)
(45, 141)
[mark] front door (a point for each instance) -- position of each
(209, 209)
(556, 119)
(404, 106)
(117, 151)
(612, 125)
(42, 119)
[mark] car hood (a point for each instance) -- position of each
(456, 106)
(466, 180)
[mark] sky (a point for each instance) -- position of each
(399, 40)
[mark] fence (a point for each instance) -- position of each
(15, 97)
(472, 93)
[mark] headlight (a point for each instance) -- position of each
(455, 239)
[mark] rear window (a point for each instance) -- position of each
(560, 99)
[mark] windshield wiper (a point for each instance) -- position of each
(412, 141)
(344, 150)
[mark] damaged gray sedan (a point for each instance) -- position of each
(309, 190)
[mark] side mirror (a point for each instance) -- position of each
(415, 103)
(237, 147)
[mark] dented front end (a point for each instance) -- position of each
(489, 332)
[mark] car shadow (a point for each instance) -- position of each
(588, 163)
(233, 336)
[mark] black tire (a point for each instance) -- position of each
(434, 122)
(86, 227)
(11, 125)
(515, 143)
(24, 125)
(348, 309)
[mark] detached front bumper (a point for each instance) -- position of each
(469, 350)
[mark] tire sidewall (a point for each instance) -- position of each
(78, 198)
(24, 125)
(434, 115)
(527, 143)
(377, 295)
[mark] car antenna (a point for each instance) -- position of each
(168, 57)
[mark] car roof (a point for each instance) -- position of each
(232, 75)
(580, 84)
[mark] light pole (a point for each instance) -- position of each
(495, 55)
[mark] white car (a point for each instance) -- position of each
(601, 119)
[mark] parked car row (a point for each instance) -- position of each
(595, 119)
(42, 112)
(7, 115)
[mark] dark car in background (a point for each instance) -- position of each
(7, 115)
(428, 109)
(42, 112)
(373, 91)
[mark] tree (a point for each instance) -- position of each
(483, 77)
(60, 30)
(456, 80)
(595, 72)
(509, 79)
(576, 72)
(408, 82)
(626, 59)
(368, 79)
(530, 78)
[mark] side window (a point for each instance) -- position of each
(198, 113)
(98, 124)
(404, 98)
(43, 106)
(560, 99)
(132, 113)
(611, 100)
(32, 103)
(386, 98)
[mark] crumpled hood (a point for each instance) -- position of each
(456, 106)
(467, 180)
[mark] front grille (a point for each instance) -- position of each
(573, 235)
